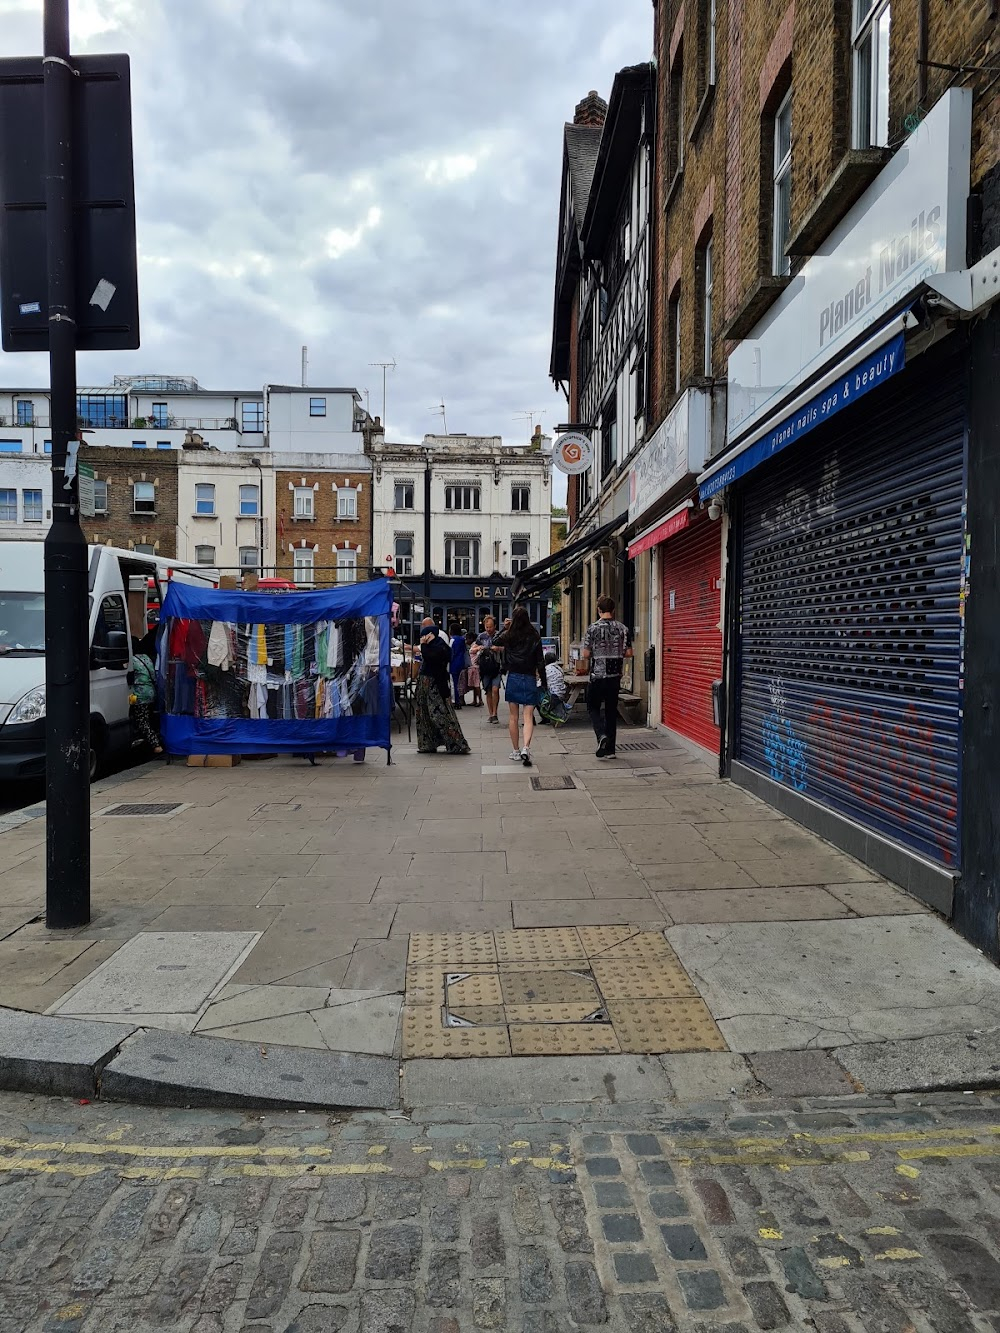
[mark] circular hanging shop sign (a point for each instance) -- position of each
(573, 453)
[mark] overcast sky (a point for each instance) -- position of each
(377, 179)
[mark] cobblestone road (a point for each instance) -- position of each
(837, 1216)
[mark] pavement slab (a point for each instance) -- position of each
(788, 985)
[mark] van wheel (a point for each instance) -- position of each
(98, 752)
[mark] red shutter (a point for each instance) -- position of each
(692, 642)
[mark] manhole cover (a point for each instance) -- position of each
(639, 745)
(561, 782)
(149, 809)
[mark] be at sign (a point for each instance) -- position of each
(107, 296)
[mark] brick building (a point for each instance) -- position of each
(136, 498)
(827, 228)
(324, 516)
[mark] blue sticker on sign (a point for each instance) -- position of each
(30, 307)
(853, 384)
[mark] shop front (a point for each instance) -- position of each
(467, 603)
(845, 490)
(683, 548)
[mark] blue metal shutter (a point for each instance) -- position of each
(850, 646)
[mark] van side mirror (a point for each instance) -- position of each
(114, 654)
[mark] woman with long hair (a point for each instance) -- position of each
(525, 664)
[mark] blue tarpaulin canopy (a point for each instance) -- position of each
(260, 673)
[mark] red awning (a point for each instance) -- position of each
(669, 528)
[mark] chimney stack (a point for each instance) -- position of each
(591, 111)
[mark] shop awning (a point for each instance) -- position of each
(676, 521)
(868, 366)
(544, 574)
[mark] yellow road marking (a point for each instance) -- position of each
(782, 1162)
(899, 1254)
(831, 1140)
(542, 1163)
(459, 1164)
(835, 1261)
(770, 1233)
(882, 1231)
(377, 1149)
(910, 1172)
(957, 1150)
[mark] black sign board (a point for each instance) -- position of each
(107, 292)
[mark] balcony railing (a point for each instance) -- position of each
(14, 423)
(158, 423)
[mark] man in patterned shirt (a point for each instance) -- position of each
(606, 644)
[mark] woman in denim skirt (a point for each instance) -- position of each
(525, 664)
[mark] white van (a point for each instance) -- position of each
(122, 586)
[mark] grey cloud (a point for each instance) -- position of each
(262, 127)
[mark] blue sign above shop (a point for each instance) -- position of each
(880, 366)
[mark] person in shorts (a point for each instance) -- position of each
(488, 668)
(525, 663)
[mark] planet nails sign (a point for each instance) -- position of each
(894, 263)
(852, 385)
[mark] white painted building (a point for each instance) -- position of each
(226, 512)
(160, 411)
(482, 510)
(25, 497)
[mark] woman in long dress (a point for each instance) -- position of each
(437, 722)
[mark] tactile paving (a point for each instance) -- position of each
(475, 988)
(629, 979)
(662, 1026)
(452, 947)
(563, 1039)
(548, 987)
(425, 982)
(546, 965)
(557, 1013)
(598, 938)
(647, 945)
(425, 1038)
(473, 1016)
(551, 944)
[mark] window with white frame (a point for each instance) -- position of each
(8, 506)
(461, 556)
(204, 555)
(871, 73)
(305, 505)
(100, 497)
(304, 568)
(32, 506)
(317, 407)
(402, 554)
(781, 211)
(519, 554)
(249, 556)
(143, 497)
(674, 339)
(706, 306)
(347, 566)
(160, 415)
(204, 498)
(461, 497)
(25, 412)
(249, 501)
(402, 495)
(520, 499)
(347, 503)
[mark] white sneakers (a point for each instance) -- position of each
(526, 758)
(514, 754)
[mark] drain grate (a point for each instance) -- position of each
(556, 782)
(148, 809)
(640, 745)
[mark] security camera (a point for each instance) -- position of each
(715, 509)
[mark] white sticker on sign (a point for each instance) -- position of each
(103, 293)
(30, 308)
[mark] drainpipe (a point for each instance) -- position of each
(427, 533)
(921, 52)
